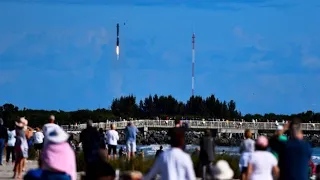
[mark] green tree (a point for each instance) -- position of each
(149, 107)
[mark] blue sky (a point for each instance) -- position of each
(264, 54)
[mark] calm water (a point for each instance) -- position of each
(151, 150)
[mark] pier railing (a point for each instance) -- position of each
(194, 124)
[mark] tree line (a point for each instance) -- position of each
(151, 107)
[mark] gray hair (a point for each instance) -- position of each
(89, 123)
(295, 128)
(52, 117)
(1, 121)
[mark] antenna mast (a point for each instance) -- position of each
(193, 56)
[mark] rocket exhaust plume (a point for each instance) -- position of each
(117, 45)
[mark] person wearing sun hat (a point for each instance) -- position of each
(57, 156)
(262, 164)
(21, 147)
(48, 126)
(222, 171)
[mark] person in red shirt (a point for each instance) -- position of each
(312, 167)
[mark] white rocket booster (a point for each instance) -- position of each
(117, 44)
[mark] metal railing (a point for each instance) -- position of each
(194, 124)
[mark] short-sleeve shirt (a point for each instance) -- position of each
(112, 137)
(294, 160)
(247, 145)
(38, 137)
(262, 163)
(131, 133)
(11, 138)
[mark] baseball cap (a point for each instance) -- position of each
(279, 128)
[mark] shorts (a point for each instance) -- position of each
(131, 146)
(244, 160)
(244, 170)
(38, 146)
(112, 148)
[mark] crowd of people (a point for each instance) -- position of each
(284, 157)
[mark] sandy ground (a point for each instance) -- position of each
(6, 172)
(6, 169)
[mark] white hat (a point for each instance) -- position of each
(222, 170)
(56, 134)
(22, 122)
(279, 128)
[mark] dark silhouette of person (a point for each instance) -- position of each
(90, 139)
(159, 151)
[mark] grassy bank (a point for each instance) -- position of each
(144, 164)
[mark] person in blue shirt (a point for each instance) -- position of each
(131, 134)
(295, 155)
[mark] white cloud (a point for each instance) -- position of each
(66, 48)
(308, 59)
(8, 76)
(311, 62)
(249, 39)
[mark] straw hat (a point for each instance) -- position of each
(22, 122)
(56, 135)
(223, 171)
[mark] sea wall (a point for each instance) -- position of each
(193, 137)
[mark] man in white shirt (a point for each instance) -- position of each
(38, 141)
(112, 140)
(48, 126)
(173, 164)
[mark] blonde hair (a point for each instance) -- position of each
(247, 134)
(112, 126)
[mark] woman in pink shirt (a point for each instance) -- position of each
(57, 156)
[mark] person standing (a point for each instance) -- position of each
(207, 150)
(295, 155)
(246, 149)
(112, 140)
(21, 147)
(10, 144)
(90, 139)
(159, 151)
(174, 163)
(49, 125)
(38, 141)
(262, 164)
(58, 158)
(131, 134)
(178, 127)
(276, 141)
(102, 138)
(3, 138)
